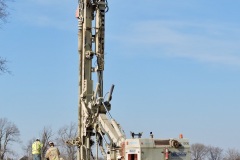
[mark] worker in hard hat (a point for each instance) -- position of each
(37, 149)
(52, 152)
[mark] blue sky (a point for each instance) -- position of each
(175, 66)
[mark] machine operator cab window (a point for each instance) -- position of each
(132, 157)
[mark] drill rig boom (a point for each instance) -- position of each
(94, 126)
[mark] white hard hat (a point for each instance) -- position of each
(50, 142)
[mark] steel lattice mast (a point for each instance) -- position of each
(91, 29)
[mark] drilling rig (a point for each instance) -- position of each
(96, 127)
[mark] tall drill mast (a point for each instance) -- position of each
(90, 102)
(92, 119)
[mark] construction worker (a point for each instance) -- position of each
(52, 152)
(37, 149)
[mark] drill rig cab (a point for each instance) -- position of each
(96, 127)
(156, 149)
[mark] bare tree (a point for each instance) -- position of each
(66, 133)
(214, 153)
(28, 149)
(47, 135)
(3, 14)
(3, 67)
(232, 154)
(199, 151)
(9, 133)
(3, 10)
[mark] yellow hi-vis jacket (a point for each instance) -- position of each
(37, 147)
